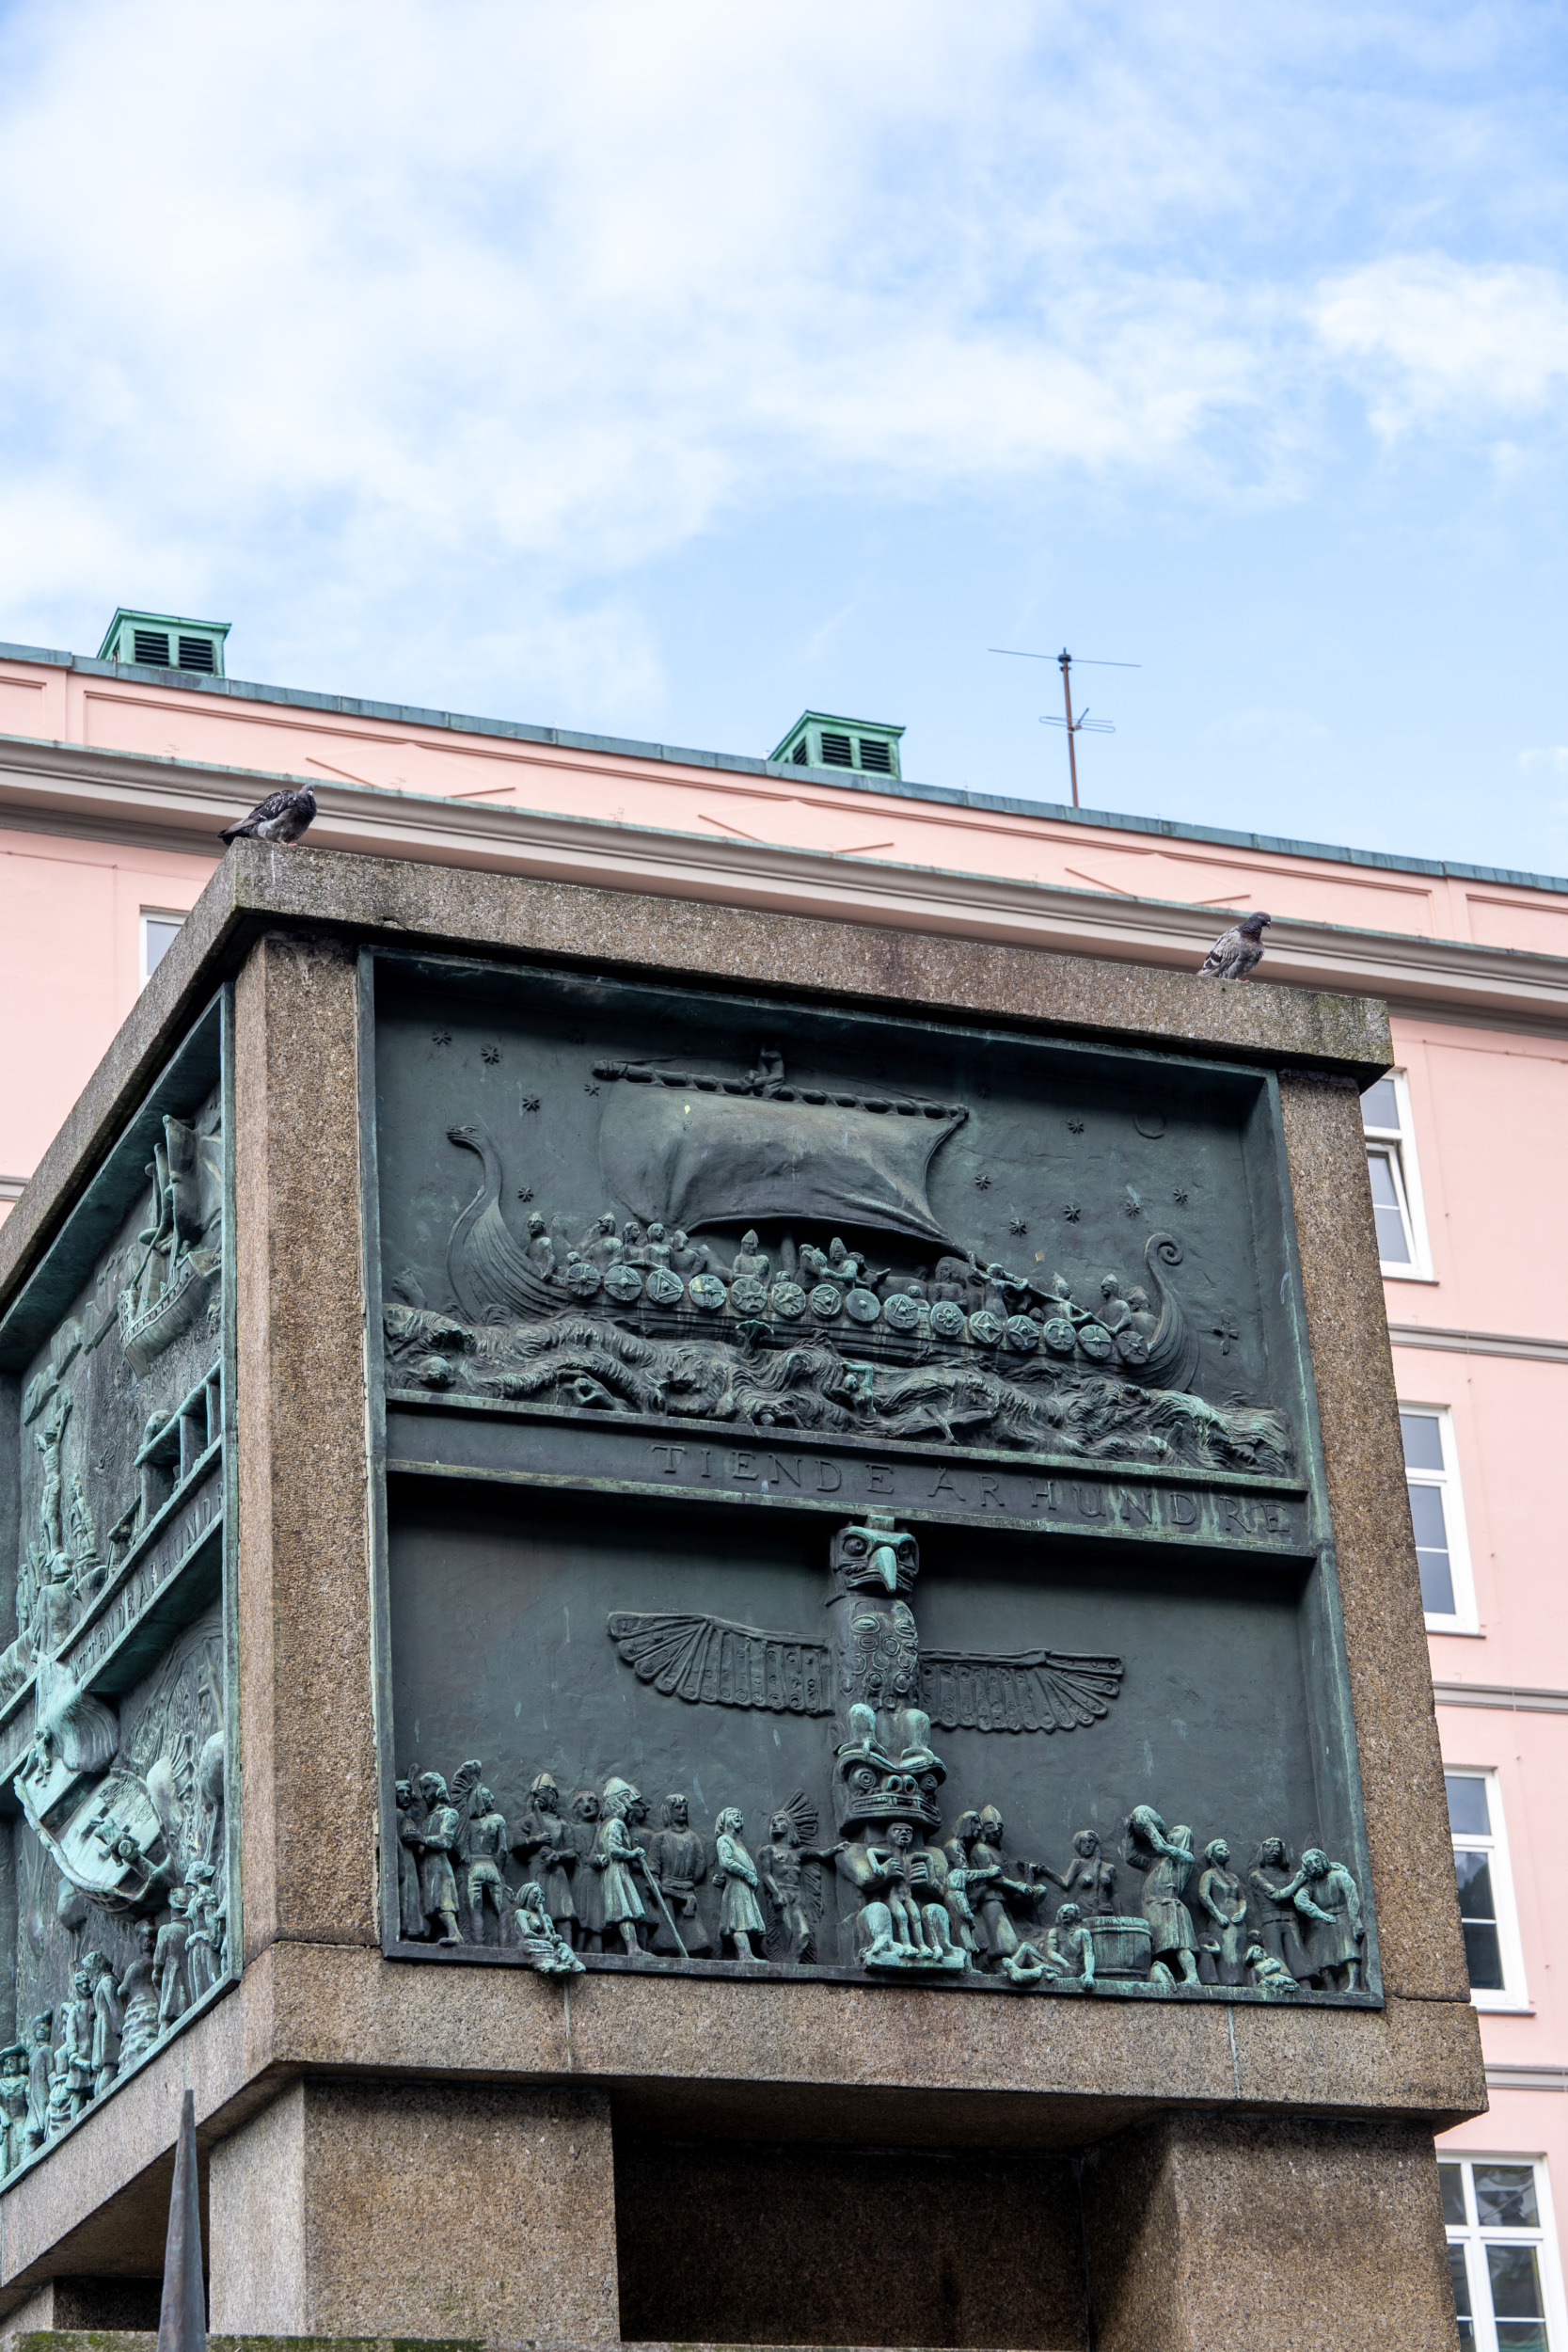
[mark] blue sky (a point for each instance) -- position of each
(663, 370)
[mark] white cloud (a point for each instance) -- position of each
(1551, 757)
(418, 328)
(553, 283)
(1431, 335)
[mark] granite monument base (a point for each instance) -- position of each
(424, 2142)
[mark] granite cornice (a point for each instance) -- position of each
(570, 921)
(939, 2069)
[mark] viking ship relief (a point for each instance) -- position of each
(765, 1253)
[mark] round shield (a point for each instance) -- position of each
(863, 1306)
(664, 1288)
(1059, 1336)
(582, 1280)
(947, 1319)
(1022, 1334)
(708, 1292)
(749, 1296)
(624, 1283)
(901, 1313)
(790, 1300)
(1132, 1347)
(1094, 1341)
(826, 1300)
(985, 1327)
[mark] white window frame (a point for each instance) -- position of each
(1473, 2235)
(1398, 1143)
(1464, 1619)
(154, 915)
(1515, 1993)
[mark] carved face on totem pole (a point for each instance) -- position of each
(886, 1769)
(873, 1567)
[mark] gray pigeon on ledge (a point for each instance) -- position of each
(1236, 954)
(282, 816)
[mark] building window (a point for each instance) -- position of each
(159, 932)
(1437, 1515)
(1395, 1178)
(1492, 1952)
(1500, 2254)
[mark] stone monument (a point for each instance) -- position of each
(719, 1655)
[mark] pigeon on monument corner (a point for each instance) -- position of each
(1236, 954)
(282, 816)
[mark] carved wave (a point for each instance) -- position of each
(583, 1363)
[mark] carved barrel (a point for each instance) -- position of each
(1122, 1948)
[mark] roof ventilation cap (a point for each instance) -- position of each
(819, 739)
(164, 641)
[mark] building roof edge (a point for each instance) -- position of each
(738, 763)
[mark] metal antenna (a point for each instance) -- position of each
(1095, 726)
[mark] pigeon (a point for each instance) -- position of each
(282, 816)
(1236, 954)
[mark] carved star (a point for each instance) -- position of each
(1179, 1196)
(1072, 1212)
(489, 1053)
(525, 1192)
(1075, 1127)
(440, 1037)
(530, 1101)
(1131, 1206)
(1018, 1226)
(982, 1183)
(589, 1088)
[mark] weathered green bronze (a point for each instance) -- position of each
(119, 1843)
(710, 1328)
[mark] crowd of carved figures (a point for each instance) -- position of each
(598, 1875)
(956, 1298)
(76, 2051)
(119, 1855)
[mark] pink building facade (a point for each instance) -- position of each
(114, 781)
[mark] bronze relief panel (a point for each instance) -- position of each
(851, 1487)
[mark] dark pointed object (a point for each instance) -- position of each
(182, 2316)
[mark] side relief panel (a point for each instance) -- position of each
(115, 1677)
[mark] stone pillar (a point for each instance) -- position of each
(306, 1737)
(417, 2209)
(1257, 2231)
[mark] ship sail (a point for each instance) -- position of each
(692, 1159)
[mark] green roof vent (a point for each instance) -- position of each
(820, 739)
(162, 640)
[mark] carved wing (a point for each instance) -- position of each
(1031, 1689)
(708, 1662)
